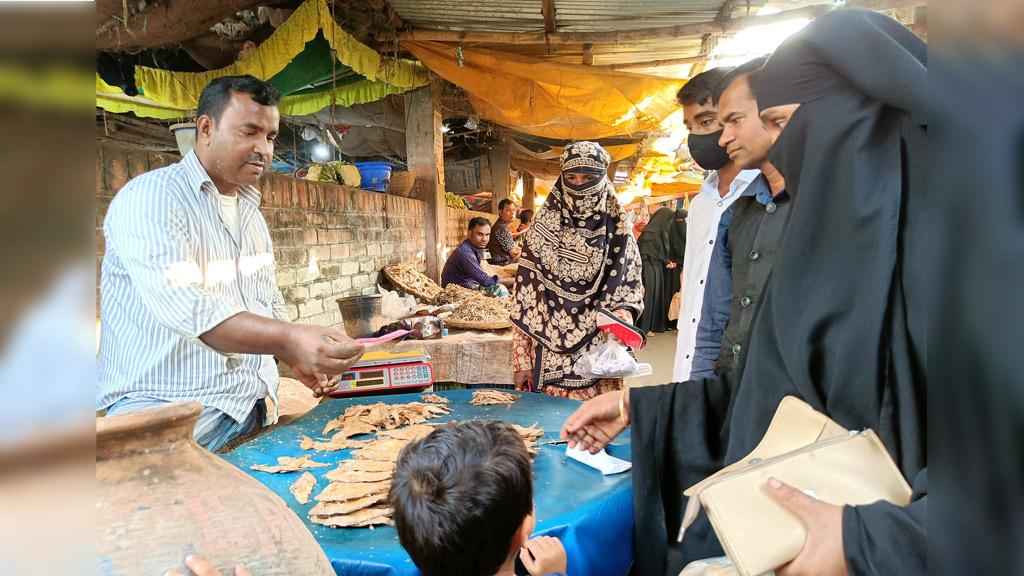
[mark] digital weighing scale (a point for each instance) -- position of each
(380, 371)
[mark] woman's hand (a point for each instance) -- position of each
(822, 553)
(596, 423)
(522, 380)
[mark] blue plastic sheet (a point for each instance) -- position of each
(592, 514)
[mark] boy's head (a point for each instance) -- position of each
(463, 498)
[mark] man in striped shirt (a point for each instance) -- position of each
(190, 307)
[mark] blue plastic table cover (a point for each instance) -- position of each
(592, 514)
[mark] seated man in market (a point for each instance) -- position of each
(190, 307)
(502, 245)
(463, 501)
(464, 267)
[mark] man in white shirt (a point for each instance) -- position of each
(189, 300)
(704, 225)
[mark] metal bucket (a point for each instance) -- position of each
(361, 314)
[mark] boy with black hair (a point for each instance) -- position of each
(463, 501)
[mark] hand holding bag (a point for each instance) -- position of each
(808, 451)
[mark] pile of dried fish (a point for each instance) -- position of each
(489, 397)
(367, 418)
(455, 294)
(357, 493)
(410, 280)
(357, 489)
(349, 504)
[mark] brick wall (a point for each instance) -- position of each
(332, 241)
(458, 220)
(329, 241)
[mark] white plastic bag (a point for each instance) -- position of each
(394, 306)
(609, 360)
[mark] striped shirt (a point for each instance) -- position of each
(172, 271)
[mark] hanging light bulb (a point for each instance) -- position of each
(320, 151)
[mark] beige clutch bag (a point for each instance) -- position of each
(804, 449)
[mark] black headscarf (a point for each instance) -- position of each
(677, 237)
(654, 240)
(579, 256)
(842, 321)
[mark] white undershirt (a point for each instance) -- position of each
(229, 213)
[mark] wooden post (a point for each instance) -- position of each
(500, 160)
(529, 191)
(588, 54)
(424, 145)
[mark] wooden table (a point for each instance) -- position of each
(467, 356)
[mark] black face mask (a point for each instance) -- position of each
(706, 152)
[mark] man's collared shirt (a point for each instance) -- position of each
(463, 268)
(702, 233)
(716, 312)
(172, 271)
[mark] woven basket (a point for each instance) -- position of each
(466, 325)
(402, 183)
(389, 271)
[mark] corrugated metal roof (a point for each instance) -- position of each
(570, 15)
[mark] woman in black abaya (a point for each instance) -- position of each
(842, 322)
(676, 253)
(654, 252)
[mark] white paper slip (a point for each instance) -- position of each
(602, 461)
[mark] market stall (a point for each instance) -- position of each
(467, 356)
(589, 512)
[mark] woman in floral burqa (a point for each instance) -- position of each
(579, 256)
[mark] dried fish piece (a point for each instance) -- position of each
(303, 487)
(359, 464)
(286, 464)
(334, 444)
(382, 450)
(349, 427)
(348, 507)
(531, 433)
(339, 475)
(408, 433)
(343, 491)
(434, 399)
(489, 397)
(360, 518)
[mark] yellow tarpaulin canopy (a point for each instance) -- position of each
(550, 99)
(182, 89)
(170, 94)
